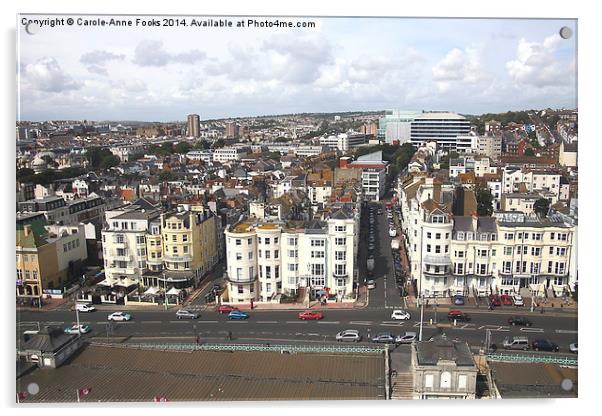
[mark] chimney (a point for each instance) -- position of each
(475, 220)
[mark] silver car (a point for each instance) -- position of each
(184, 314)
(406, 338)
(351, 335)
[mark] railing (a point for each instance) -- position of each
(257, 347)
(177, 258)
(532, 358)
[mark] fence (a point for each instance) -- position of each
(256, 347)
(533, 358)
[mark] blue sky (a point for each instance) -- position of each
(344, 64)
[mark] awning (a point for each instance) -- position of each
(150, 291)
(105, 283)
(173, 291)
(127, 282)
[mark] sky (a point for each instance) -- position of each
(469, 66)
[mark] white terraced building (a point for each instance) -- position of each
(267, 259)
(441, 127)
(509, 252)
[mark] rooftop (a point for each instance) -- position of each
(112, 373)
(518, 380)
(440, 348)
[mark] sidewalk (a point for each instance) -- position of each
(47, 305)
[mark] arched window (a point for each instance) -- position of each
(445, 380)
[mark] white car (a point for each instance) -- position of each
(573, 348)
(352, 335)
(119, 316)
(85, 307)
(406, 338)
(392, 232)
(400, 315)
(518, 300)
(83, 329)
(371, 284)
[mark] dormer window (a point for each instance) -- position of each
(460, 235)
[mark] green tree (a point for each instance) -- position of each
(202, 145)
(484, 201)
(529, 151)
(165, 175)
(541, 206)
(219, 143)
(182, 147)
(109, 161)
(24, 173)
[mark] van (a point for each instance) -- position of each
(516, 343)
(28, 334)
(84, 307)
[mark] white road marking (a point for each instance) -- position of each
(207, 322)
(151, 322)
(360, 323)
(267, 322)
(296, 322)
(313, 334)
(391, 324)
(178, 322)
(566, 331)
(232, 321)
(329, 322)
(532, 329)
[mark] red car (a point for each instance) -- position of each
(506, 300)
(310, 315)
(226, 309)
(495, 300)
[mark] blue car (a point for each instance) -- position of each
(236, 314)
(458, 300)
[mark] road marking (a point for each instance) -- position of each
(532, 329)
(360, 323)
(566, 331)
(313, 334)
(207, 322)
(267, 322)
(178, 322)
(296, 322)
(151, 322)
(329, 322)
(391, 324)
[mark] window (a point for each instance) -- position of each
(446, 248)
(460, 235)
(277, 272)
(559, 268)
(317, 243)
(340, 228)
(268, 272)
(266, 240)
(507, 251)
(550, 265)
(526, 236)
(438, 236)
(293, 267)
(428, 248)
(460, 254)
(509, 236)
(275, 240)
(535, 268)
(35, 275)
(445, 380)
(292, 241)
(519, 236)
(267, 254)
(428, 235)
(447, 236)
(259, 240)
(438, 249)
(562, 236)
(340, 241)
(507, 267)
(537, 236)
(259, 253)
(139, 239)
(462, 382)
(552, 236)
(340, 269)
(493, 251)
(536, 251)
(340, 255)
(249, 241)
(458, 268)
(240, 289)
(185, 237)
(238, 256)
(560, 251)
(551, 250)
(238, 274)
(481, 269)
(428, 381)
(493, 237)
(317, 254)
(250, 255)
(469, 236)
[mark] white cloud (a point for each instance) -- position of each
(96, 61)
(48, 76)
(537, 65)
(459, 68)
(152, 53)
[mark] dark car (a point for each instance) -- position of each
(384, 338)
(458, 300)
(458, 316)
(519, 320)
(544, 345)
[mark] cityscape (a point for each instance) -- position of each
(423, 247)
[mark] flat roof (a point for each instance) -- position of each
(117, 374)
(522, 380)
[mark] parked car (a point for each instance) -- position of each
(518, 300)
(516, 343)
(371, 284)
(226, 308)
(495, 300)
(350, 335)
(458, 316)
(506, 300)
(380, 211)
(371, 246)
(84, 307)
(237, 315)
(305, 315)
(573, 348)
(384, 338)
(458, 300)
(544, 345)
(400, 315)
(392, 232)
(519, 321)
(83, 329)
(184, 314)
(406, 338)
(119, 316)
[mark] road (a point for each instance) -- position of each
(283, 326)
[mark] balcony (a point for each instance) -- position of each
(437, 260)
(119, 270)
(242, 280)
(157, 261)
(125, 257)
(340, 275)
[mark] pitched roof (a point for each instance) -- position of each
(49, 339)
(440, 348)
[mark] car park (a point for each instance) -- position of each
(400, 315)
(406, 338)
(185, 314)
(519, 321)
(516, 343)
(237, 315)
(458, 300)
(518, 300)
(83, 329)
(310, 315)
(119, 316)
(225, 308)
(506, 300)
(371, 284)
(349, 335)
(544, 345)
(84, 307)
(573, 348)
(384, 338)
(458, 316)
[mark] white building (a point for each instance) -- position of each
(202, 155)
(374, 174)
(267, 259)
(344, 141)
(226, 154)
(441, 127)
(532, 180)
